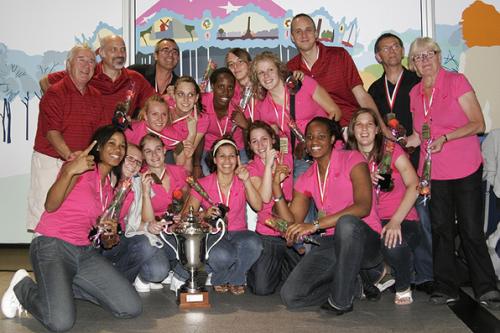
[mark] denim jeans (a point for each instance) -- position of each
(273, 266)
(64, 272)
(135, 256)
(299, 167)
(232, 257)
(461, 198)
(331, 269)
(422, 256)
(399, 257)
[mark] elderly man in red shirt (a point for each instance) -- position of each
(70, 112)
(116, 83)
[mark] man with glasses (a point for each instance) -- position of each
(117, 84)
(391, 93)
(161, 74)
(332, 67)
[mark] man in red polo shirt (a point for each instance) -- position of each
(331, 66)
(70, 112)
(116, 83)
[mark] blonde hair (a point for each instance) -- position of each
(273, 58)
(418, 45)
(152, 99)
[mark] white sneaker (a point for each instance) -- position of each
(168, 279)
(140, 286)
(175, 284)
(10, 303)
(209, 280)
(155, 286)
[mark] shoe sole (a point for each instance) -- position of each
(384, 286)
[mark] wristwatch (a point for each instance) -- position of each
(316, 224)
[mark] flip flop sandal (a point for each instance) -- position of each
(237, 290)
(221, 289)
(403, 297)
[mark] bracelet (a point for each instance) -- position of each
(278, 198)
(445, 138)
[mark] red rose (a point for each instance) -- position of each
(393, 123)
(177, 194)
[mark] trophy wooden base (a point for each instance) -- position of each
(198, 300)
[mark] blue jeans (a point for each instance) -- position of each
(331, 269)
(233, 256)
(64, 272)
(299, 167)
(422, 256)
(399, 257)
(273, 266)
(136, 256)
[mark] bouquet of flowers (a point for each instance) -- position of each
(211, 66)
(175, 207)
(384, 167)
(120, 118)
(296, 131)
(201, 191)
(424, 185)
(106, 233)
(281, 225)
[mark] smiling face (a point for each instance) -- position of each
(167, 55)
(223, 90)
(365, 130)
(268, 74)
(81, 67)
(153, 152)
(303, 33)
(260, 142)
(156, 116)
(239, 67)
(113, 52)
(226, 159)
(185, 98)
(427, 62)
(133, 162)
(112, 152)
(319, 141)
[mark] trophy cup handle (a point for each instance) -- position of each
(219, 228)
(168, 232)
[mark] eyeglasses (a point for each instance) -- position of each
(131, 159)
(428, 55)
(393, 47)
(167, 50)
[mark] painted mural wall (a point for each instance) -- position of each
(33, 43)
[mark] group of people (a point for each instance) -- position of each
(307, 151)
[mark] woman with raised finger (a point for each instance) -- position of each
(401, 230)
(229, 184)
(65, 264)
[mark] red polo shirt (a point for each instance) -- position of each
(116, 92)
(336, 72)
(75, 115)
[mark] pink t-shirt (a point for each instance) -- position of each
(458, 158)
(237, 200)
(256, 168)
(140, 128)
(338, 189)
(305, 108)
(78, 213)
(389, 202)
(216, 128)
(160, 199)
(178, 131)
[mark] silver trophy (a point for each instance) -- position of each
(192, 251)
(247, 94)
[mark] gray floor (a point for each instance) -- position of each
(249, 313)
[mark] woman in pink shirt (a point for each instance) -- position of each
(446, 119)
(401, 230)
(65, 264)
(277, 260)
(220, 112)
(339, 183)
(229, 185)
